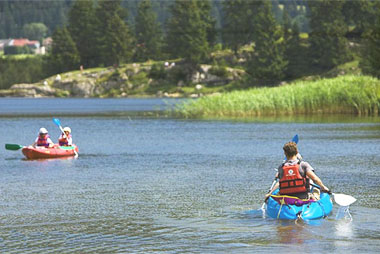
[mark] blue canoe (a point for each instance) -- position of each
(314, 210)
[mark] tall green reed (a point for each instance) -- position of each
(358, 95)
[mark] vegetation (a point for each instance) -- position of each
(346, 94)
(269, 41)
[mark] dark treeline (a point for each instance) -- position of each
(104, 33)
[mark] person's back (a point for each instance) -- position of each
(293, 178)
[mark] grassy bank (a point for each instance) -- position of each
(345, 94)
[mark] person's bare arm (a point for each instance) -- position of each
(316, 180)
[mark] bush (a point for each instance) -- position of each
(219, 71)
(11, 50)
(157, 72)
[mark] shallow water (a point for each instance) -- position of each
(151, 185)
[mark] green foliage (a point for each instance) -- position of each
(188, 31)
(14, 15)
(295, 54)
(83, 30)
(327, 38)
(346, 94)
(239, 22)
(220, 71)
(35, 31)
(149, 35)
(266, 66)
(114, 39)
(25, 70)
(12, 50)
(158, 71)
(64, 54)
(370, 62)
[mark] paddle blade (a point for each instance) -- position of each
(295, 139)
(56, 121)
(343, 199)
(13, 147)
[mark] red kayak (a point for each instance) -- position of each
(46, 153)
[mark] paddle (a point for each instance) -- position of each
(295, 140)
(340, 199)
(58, 123)
(13, 147)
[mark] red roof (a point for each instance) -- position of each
(23, 42)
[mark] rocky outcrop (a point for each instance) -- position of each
(132, 79)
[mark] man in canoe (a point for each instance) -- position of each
(65, 139)
(43, 139)
(294, 175)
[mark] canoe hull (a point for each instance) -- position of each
(311, 211)
(48, 153)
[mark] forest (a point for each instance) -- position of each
(272, 41)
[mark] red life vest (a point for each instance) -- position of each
(292, 181)
(43, 141)
(63, 141)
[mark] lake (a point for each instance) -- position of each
(145, 183)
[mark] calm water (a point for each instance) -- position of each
(155, 185)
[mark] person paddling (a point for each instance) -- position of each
(65, 139)
(43, 139)
(294, 175)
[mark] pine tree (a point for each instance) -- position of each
(328, 45)
(82, 29)
(64, 55)
(295, 55)
(266, 66)
(239, 22)
(148, 33)
(187, 32)
(205, 7)
(114, 39)
(370, 61)
(361, 14)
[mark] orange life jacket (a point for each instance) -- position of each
(63, 141)
(43, 141)
(292, 181)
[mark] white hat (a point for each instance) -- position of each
(43, 131)
(67, 129)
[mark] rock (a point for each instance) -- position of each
(18, 93)
(39, 90)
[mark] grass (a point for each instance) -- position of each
(348, 94)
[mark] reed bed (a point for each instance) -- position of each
(358, 95)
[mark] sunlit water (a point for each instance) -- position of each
(160, 185)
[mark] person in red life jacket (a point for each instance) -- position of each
(294, 175)
(65, 139)
(43, 139)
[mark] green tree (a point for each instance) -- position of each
(370, 61)
(360, 14)
(295, 54)
(35, 31)
(114, 39)
(328, 44)
(64, 55)
(82, 29)
(187, 32)
(239, 22)
(266, 66)
(149, 35)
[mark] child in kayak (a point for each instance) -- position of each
(65, 139)
(43, 139)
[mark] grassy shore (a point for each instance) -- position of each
(349, 94)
